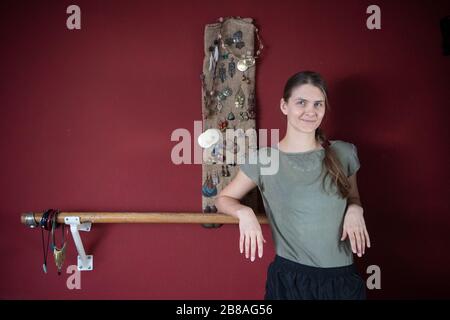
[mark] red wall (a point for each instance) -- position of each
(86, 119)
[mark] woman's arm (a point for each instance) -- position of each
(353, 197)
(354, 225)
(227, 202)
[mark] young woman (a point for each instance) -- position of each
(312, 203)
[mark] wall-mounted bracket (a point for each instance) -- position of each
(85, 262)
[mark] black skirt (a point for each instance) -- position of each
(289, 280)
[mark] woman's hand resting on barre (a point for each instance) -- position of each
(251, 237)
(228, 202)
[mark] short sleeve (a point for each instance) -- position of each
(353, 161)
(251, 169)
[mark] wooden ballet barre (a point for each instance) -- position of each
(140, 217)
(82, 221)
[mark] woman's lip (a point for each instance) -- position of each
(308, 120)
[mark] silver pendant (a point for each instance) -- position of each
(246, 62)
(241, 66)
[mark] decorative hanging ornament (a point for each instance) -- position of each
(219, 106)
(213, 55)
(241, 66)
(223, 125)
(215, 151)
(222, 72)
(216, 50)
(237, 36)
(236, 39)
(244, 116)
(227, 92)
(215, 178)
(224, 173)
(221, 96)
(247, 60)
(208, 188)
(239, 100)
(211, 61)
(232, 67)
(246, 79)
(59, 256)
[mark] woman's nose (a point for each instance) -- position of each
(309, 110)
(310, 107)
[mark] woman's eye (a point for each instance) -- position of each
(301, 102)
(317, 104)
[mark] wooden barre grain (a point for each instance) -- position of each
(147, 217)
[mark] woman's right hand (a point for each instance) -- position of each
(250, 234)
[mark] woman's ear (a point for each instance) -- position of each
(283, 106)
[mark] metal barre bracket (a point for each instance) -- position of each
(85, 262)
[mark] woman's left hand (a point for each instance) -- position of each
(355, 229)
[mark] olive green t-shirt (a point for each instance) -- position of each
(305, 219)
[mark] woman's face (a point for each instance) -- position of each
(305, 108)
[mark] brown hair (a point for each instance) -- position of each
(331, 162)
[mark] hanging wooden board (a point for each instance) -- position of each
(228, 101)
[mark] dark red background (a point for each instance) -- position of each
(86, 119)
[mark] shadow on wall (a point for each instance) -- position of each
(409, 259)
